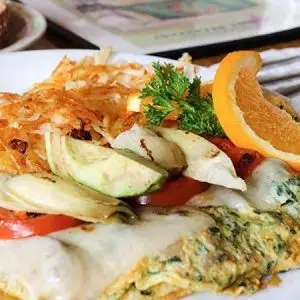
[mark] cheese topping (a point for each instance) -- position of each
(39, 268)
(221, 196)
(75, 264)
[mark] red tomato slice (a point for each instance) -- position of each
(14, 228)
(244, 160)
(7, 214)
(174, 192)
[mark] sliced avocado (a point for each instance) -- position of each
(118, 173)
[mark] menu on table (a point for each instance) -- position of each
(149, 26)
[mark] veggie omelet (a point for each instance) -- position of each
(225, 245)
(234, 256)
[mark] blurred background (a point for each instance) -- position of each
(206, 29)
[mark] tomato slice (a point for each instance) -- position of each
(174, 192)
(16, 226)
(7, 214)
(244, 160)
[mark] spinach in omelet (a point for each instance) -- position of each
(234, 256)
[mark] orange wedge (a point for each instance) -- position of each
(248, 119)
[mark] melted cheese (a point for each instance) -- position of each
(262, 184)
(75, 264)
(112, 250)
(39, 267)
(262, 190)
(221, 196)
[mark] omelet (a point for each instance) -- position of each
(251, 239)
(220, 241)
(232, 257)
(235, 255)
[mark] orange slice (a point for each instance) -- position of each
(248, 119)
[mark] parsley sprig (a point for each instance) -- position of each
(171, 89)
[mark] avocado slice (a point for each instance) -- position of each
(117, 173)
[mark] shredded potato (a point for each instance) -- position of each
(85, 99)
(89, 96)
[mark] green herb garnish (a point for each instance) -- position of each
(171, 89)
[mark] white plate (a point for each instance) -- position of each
(21, 69)
(25, 26)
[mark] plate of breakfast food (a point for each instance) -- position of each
(133, 177)
(20, 26)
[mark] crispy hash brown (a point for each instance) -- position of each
(85, 99)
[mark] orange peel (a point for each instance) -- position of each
(247, 117)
